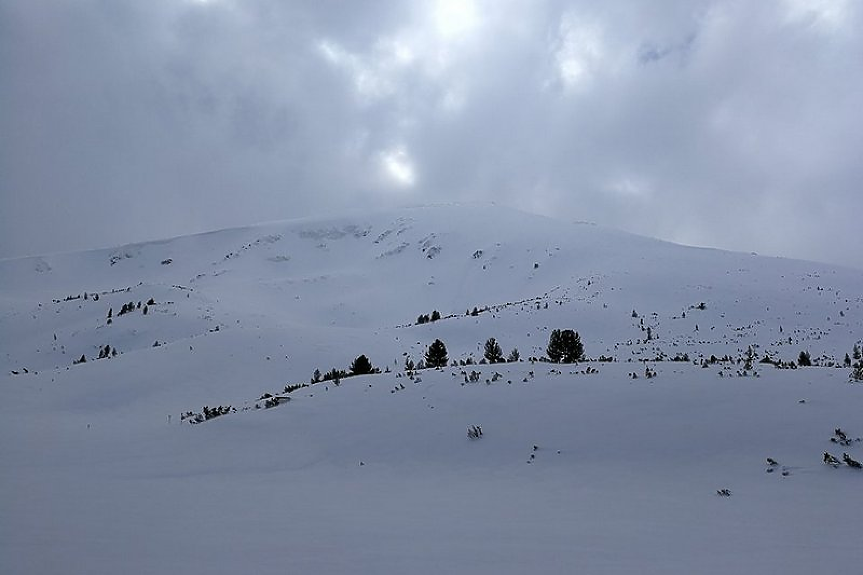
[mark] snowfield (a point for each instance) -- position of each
(581, 468)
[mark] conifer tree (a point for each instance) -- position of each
(573, 349)
(436, 354)
(361, 365)
(493, 353)
(555, 346)
(565, 346)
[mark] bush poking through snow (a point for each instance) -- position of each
(842, 438)
(851, 462)
(829, 459)
(474, 431)
(206, 414)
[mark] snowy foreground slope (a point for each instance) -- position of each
(580, 469)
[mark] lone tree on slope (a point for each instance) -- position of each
(555, 346)
(493, 353)
(436, 354)
(361, 366)
(565, 346)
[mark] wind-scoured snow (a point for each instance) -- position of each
(590, 468)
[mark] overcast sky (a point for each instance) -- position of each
(733, 124)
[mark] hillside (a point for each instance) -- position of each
(591, 468)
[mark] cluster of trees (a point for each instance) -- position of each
(359, 366)
(213, 412)
(130, 307)
(494, 354)
(334, 375)
(107, 351)
(426, 318)
(435, 355)
(804, 359)
(564, 346)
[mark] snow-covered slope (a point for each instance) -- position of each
(377, 474)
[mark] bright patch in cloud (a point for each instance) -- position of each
(375, 74)
(630, 186)
(454, 18)
(578, 52)
(398, 167)
(827, 14)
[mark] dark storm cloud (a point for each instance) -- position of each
(728, 123)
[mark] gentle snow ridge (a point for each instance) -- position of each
(580, 468)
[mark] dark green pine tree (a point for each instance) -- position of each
(555, 346)
(436, 354)
(493, 353)
(573, 349)
(361, 366)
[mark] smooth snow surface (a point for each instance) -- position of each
(101, 474)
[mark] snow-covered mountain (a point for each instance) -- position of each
(592, 468)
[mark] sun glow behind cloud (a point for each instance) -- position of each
(455, 18)
(579, 51)
(398, 167)
(440, 99)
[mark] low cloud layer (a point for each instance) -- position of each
(731, 124)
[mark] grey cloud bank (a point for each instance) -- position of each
(730, 124)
